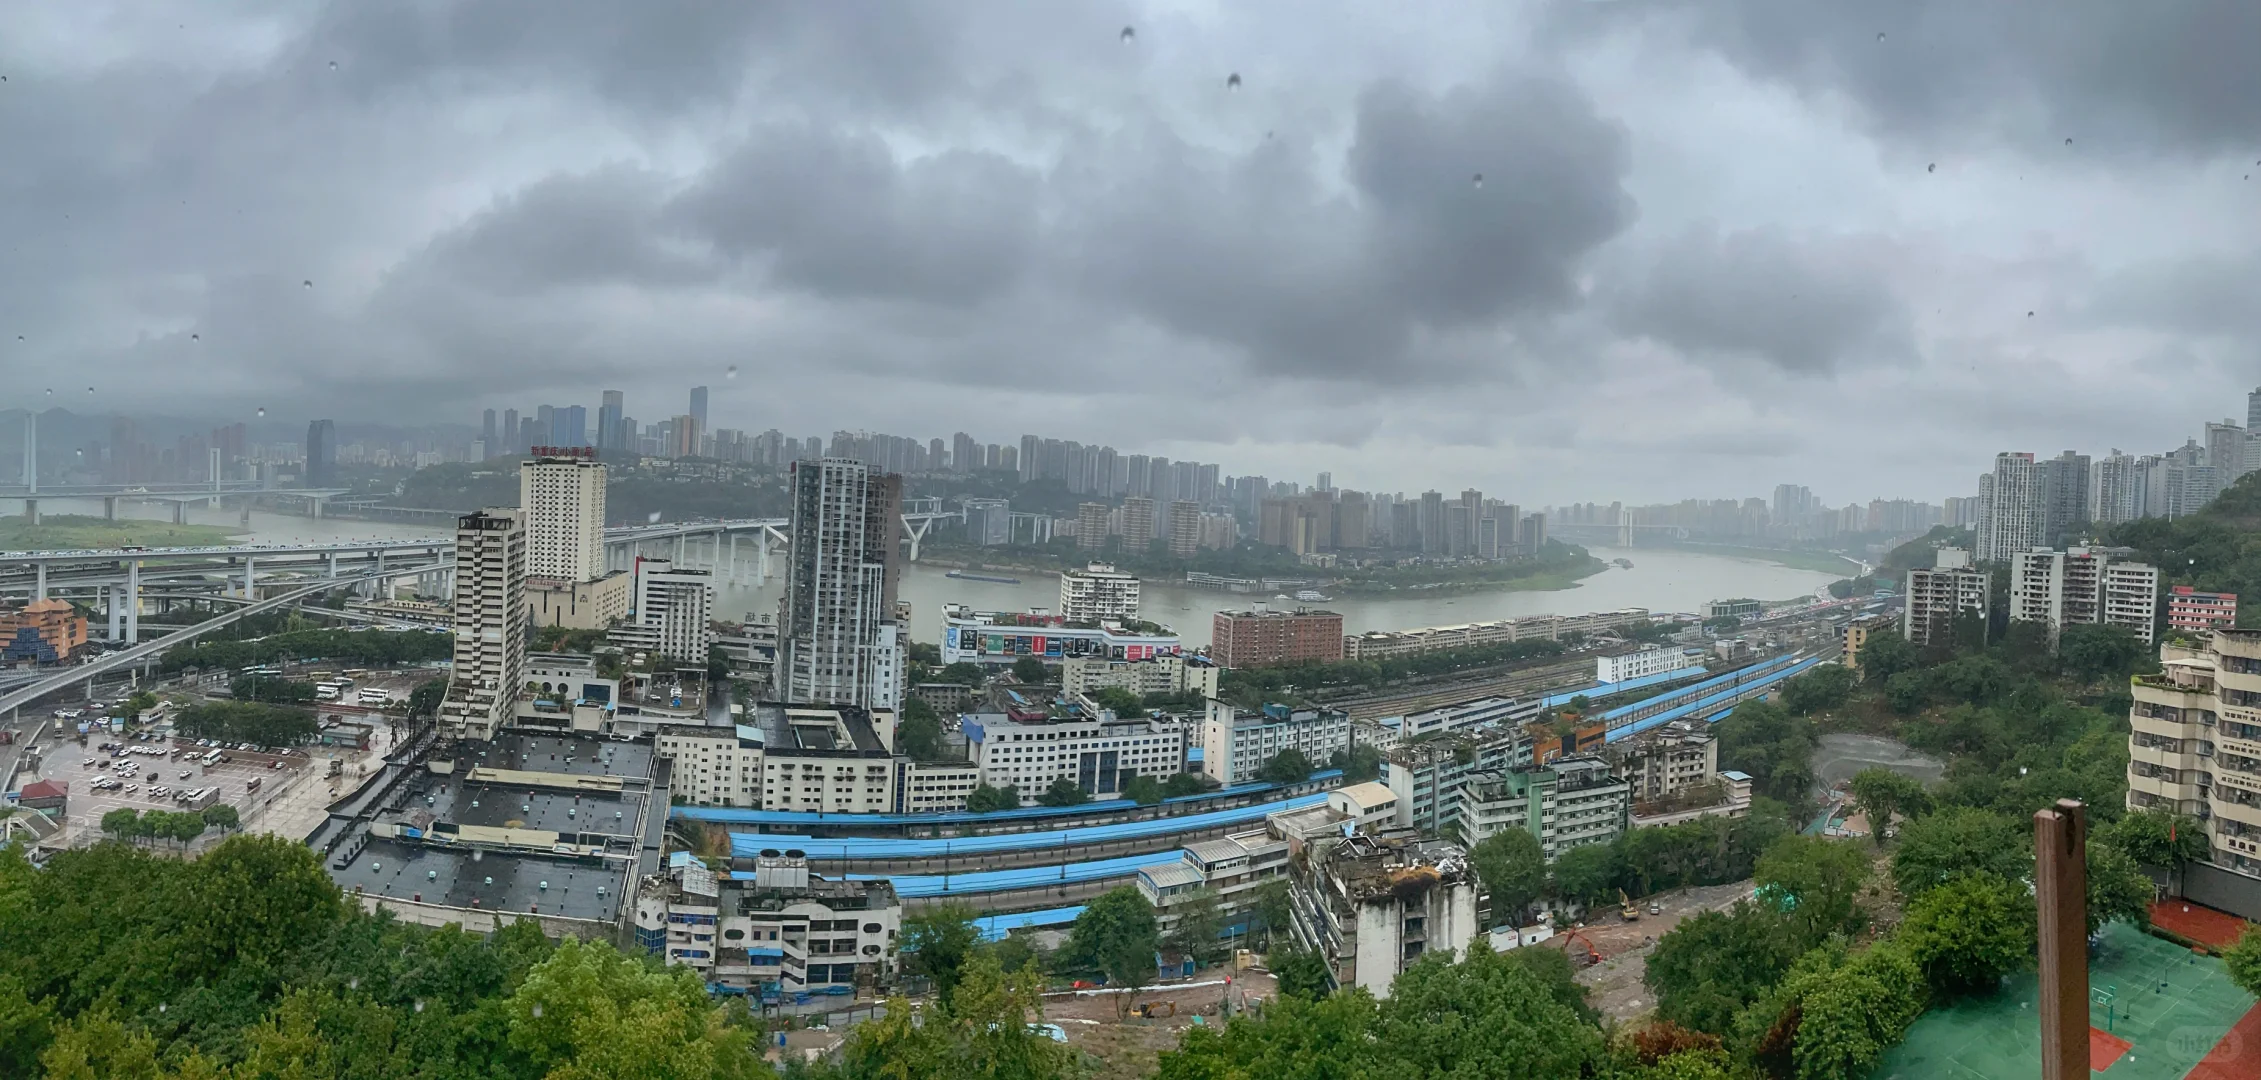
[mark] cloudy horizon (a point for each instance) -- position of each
(1558, 250)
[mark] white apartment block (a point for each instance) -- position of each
(1643, 663)
(1166, 674)
(679, 606)
(884, 670)
(563, 499)
(1098, 593)
(2083, 587)
(937, 787)
(2194, 743)
(714, 766)
(826, 759)
(1938, 596)
(1100, 754)
(489, 623)
(1668, 760)
(1229, 867)
(2011, 515)
(777, 929)
(1235, 743)
(1568, 802)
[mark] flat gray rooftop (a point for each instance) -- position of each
(490, 880)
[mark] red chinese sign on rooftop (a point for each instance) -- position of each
(585, 453)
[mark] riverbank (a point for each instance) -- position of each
(1385, 584)
(1820, 562)
(1543, 581)
(74, 532)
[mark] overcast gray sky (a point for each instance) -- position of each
(1718, 244)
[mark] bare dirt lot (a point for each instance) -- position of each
(1129, 1047)
(1614, 985)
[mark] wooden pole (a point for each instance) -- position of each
(2060, 848)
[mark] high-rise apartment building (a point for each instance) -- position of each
(563, 498)
(488, 434)
(1098, 593)
(965, 454)
(509, 434)
(2194, 743)
(609, 414)
(2225, 453)
(2013, 517)
(1948, 590)
(321, 454)
(1091, 525)
(2115, 488)
(2083, 587)
(699, 407)
(1429, 523)
(489, 623)
(1138, 524)
(2064, 496)
(841, 577)
(1185, 529)
(678, 607)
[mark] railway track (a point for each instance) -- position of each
(1415, 699)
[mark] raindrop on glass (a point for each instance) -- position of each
(162, 1006)
(1479, 179)
(2029, 314)
(1880, 35)
(419, 1006)
(262, 410)
(538, 1005)
(353, 983)
(1232, 81)
(196, 337)
(732, 373)
(90, 391)
(1129, 35)
(309, 283)
(2068, 142)
(1933, 167)
(333, 65)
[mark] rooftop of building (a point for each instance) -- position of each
(1395, 862)
(1171, 875)
(495, 880)
(815, 729)
(1369, 796)
(1269, 613)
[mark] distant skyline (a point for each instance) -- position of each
(1716, 245)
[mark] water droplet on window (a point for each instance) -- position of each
(309, 283)
(196, 337)
(1129, 35)
(537, 1010)
(1880, 35)
(419, 1006)
(90, 390)
(262, 410)
(732, 373)
(1232, 81)
(1479, 179)
(1933, 167)
(2029, 314)
(333, 65)
(2068, 142)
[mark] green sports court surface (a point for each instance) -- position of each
(2169, 1005)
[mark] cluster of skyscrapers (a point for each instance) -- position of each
(2024, 502)
(511, 433)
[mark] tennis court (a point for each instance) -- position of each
(2170, 1007)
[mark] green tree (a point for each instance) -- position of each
(1269, 909)
(122, 823)
(1958, 840)
(1587, 874)
(2090, 652)
(1359, 764)
(1181, 785)
(1300, 973)
(1818, 690)
(1884, 655)
(1772, 745)
(1513, 870)
(1970, 931)
(1824, 875)
(1115, 936)
(1298, 1038)
(1200, 922)
(984, 798)
(1143, 790)
(223, 817)
(1483, 1016)
(937, 942)
(587, 1011)
(26, 1027)
(424, 701)
(1030, 670)
(2118, 889)
(1907, 691)
(1881, 793)
(1117, 700)
(984, 1034)
(1289, 766)
(1850, 1012)
(2242, 960)
(918, 732)
(963, 673)
(1714, 963)
(2160, 838)
(1064, 792)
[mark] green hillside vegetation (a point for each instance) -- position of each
(73, 532)
(2217, 549)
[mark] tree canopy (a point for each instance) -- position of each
(1513, 870)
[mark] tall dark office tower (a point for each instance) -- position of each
(487, 434)
(545, 427)
(699, 406)
(609, 436)
(510, 433)
(531, 433)
(321, 454)
(575, 427)
(836, 619)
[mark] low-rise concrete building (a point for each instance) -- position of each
(1230, 868)
(1097, 750)
(1568, 802)
(1236, 742)
(1372, 905)
(1167, 674)
(770, 927)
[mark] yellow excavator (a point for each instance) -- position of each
(1626, 908)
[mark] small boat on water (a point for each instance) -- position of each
(1623, 564)
(1311, 596)
(967, 575)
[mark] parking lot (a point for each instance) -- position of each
(80, 767)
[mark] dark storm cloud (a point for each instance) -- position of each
(1256, 250)
(836, 214)
(2111, 75)
(566, 230)
(1805, 305)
